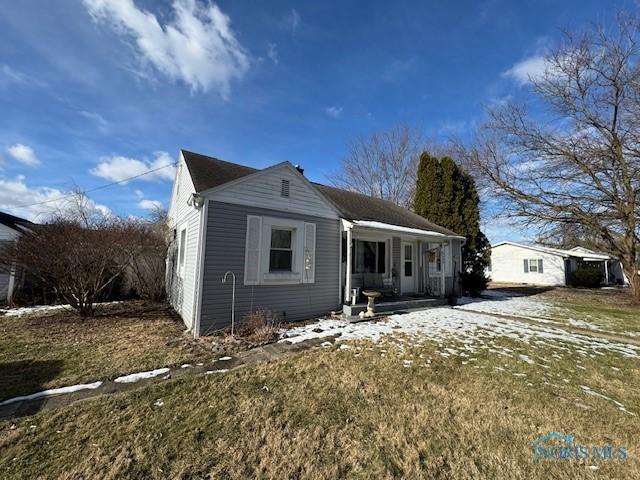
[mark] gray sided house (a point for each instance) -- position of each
(296, 248)
(11, 228)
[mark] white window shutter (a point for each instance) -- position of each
(309, 258)
(252, 250)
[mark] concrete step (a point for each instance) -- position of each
(394, 306)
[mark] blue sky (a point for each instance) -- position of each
(93, 91)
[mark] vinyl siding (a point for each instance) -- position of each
(264, 190)
(182, 287)
(507, 265)
(7, 235)
(225, 251)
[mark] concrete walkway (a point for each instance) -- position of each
(272, 351)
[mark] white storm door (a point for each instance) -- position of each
(408, 274)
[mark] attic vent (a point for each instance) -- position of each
(284, 188)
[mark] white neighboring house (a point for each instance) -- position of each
(535, 265)
(11, 228)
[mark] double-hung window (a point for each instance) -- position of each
(533, 265)
(281, 251)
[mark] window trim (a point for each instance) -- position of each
(534, 262)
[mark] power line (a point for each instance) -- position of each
(84, 192)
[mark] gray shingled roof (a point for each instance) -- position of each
(208, 172)
(15, 223)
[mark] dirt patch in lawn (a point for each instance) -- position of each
(57, 348)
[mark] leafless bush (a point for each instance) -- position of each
(261, 325)
(146, 274)
(81, 254)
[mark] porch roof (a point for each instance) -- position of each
(369, 224)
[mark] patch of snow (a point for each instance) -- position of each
(158, 403)
(186, 365)
(493, 301)
(620, 406)
(135, 377)
(583, 324)
(224, 359)
(18, 312)
(525, 358)
(53, 391)
(222, 370)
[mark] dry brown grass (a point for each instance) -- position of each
(331, 413)
(612, 310)
(52, 350)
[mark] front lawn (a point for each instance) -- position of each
(436, 394)
(605, 309)
(53, 349)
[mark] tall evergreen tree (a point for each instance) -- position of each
(445, 194)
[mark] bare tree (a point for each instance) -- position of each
(383, 165)
(576, 162)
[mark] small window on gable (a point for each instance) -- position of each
(284, 188)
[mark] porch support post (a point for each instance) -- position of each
(606, 272)
(347, 280)
(442, 269)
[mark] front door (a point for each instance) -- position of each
(408, 277)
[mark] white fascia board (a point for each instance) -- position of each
(535, 248)
(400, 229)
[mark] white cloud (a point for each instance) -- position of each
(272, 53)
(117, 168)
(18, 198)
(151, 205)
(12, 75)
(292, 20)
(23, 154)
(333, 111)
(532, 68)
(197, 47)
(96, 118)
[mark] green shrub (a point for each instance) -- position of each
(589, 277)
(473, 283)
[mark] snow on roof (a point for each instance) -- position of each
(398, 228)
(579, 252)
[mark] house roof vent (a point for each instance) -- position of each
(300, 169)
(284, 188)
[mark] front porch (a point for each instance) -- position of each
(411, 268)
